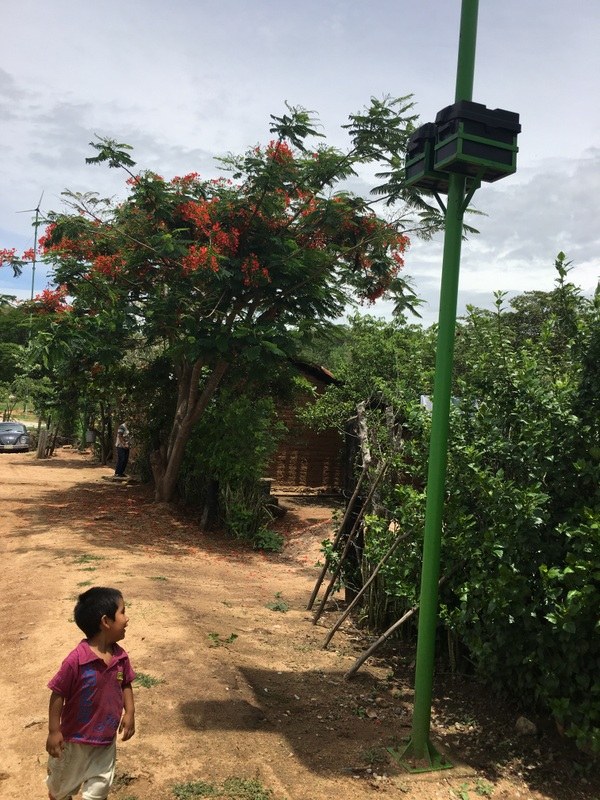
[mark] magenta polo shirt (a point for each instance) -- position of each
(93, 694)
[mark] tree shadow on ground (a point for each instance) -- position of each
(335, 726)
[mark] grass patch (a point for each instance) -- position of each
(216, 640)
(158, 578)
(87, 558)
(278, 604)
(375, 756)
(231, 789)
(84, 583)
(145, 680)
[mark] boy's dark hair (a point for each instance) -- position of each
(97, 602)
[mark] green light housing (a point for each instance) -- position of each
(476, 141)
(467, 138)
(419, 169)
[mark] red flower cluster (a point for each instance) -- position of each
(199, 257)
(280, 152)
(376, 293)
(7, 256)
(110, 266)
(44, 240)
(398, 247)
(219, 241)
(185, 181)
(52, 301)
(226, 242)
(198, 212)
(29, 255)
(253, 272)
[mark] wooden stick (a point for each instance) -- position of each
(336, 541)
(364, 588)
(361, 659)
(349, 541)
(363, 433)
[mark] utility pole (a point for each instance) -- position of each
(467, 144)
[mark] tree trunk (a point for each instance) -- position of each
(191, 404)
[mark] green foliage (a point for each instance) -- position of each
(483, 788)
(278, 604)
(521, 533)
(146, 681)
(383, 363)
(232, 789)
(216, 640)
(231, 448)
(267, 540)
(86, 558)
(234, 441)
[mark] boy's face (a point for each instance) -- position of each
(116, 627)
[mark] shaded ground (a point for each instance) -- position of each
(244, 690)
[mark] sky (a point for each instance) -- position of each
(185, 81)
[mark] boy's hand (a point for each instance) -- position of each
(55, 744)
(127, 726)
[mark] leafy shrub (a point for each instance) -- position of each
(521, 536)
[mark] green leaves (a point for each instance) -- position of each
(295, 126)
(116, 154)
(521, 530)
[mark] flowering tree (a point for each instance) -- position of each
(215, 274)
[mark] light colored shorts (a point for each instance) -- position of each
(83, 766)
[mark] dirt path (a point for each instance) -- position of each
(245, 690)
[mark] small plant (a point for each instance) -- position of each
(216, 639)
(462, 792)
(231, 789)
(278, 604)
(264, 539)
(483, 788)
(374, 756)
(145, 680)
(158, 578)
(86, 558)
(84, 583)
(194, 789)
(245, 789)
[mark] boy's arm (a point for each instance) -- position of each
(55, 743)
(127, 726)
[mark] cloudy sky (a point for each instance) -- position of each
(190, 79)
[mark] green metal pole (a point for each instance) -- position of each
(419, 747)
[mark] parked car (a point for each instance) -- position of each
(14, 436)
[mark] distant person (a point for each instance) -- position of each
(91, 700)
(122, 447)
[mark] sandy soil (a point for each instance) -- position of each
(244, 690)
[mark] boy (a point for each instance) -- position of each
(91, 699)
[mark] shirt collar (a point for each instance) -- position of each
(86, 655)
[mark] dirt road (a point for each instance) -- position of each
(233, 687)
